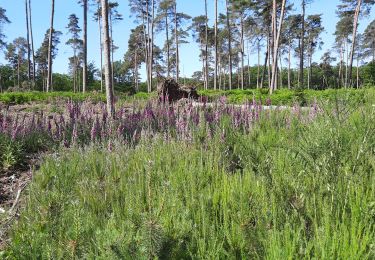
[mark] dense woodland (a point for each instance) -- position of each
(272, 32)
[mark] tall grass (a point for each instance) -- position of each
(280, 191)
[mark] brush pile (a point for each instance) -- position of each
(170, 90)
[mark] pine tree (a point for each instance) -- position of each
(276, 40)
(314, 29)
(28, 41)
(97, 18)
(77, 45)
(145, 14)
(20, 50)
(164, 23)
(369, 41)
(358, 8)
(32, 41)
(49, 76)
(135, 54)
(344, 28)
(229, 43)
(84, 4)
(41, 55)
(180, 34)
(3, 20)
(200, 34)
(11, 57)
(216, 45)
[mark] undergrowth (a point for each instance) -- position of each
(279, 191)
(290, 97)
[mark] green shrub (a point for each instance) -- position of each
(290, 97)
(14, 153)
(27, 97)
(142, 95)
(11, 154)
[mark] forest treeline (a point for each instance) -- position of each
(276, 34)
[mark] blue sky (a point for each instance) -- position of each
(189, 52)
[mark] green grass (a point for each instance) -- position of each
(27, 97)
(280, 97)
(40, 97)
(290, 97)
(306, 190)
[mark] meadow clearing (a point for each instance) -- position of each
(177, 181)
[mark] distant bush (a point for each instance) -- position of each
(236, 96)
(142, 95)
(26, 97)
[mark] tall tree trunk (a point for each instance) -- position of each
(151, 61)
(206, 45)
(136, 71)
(289, 64)
(49, 76)
(310, 68)
(346, 65)
(148, 48)
(308, 73)
(79, 78)
(270, 55)
(220, 71)
(14, 77)
(299, 71)
(298, 75)
(107, 59)
(28, 42)
(168, 47)
(265, 65)
(238, 75)
(229, 45)
(216, 46)
(302, 49)
(112, 49)
(242, 53)
(225, 78)
(32, 41)
(84, 72)
(258, 72)
(203, 63)
(357, 72)
(74, 79)
(272, 62)
(309, 51)
(18, 70)
(340, 81)
(281, 71)
(354, 38)
(146, 34)
(101, 48)
(75, 72)
(248, 65)
(177, 43)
